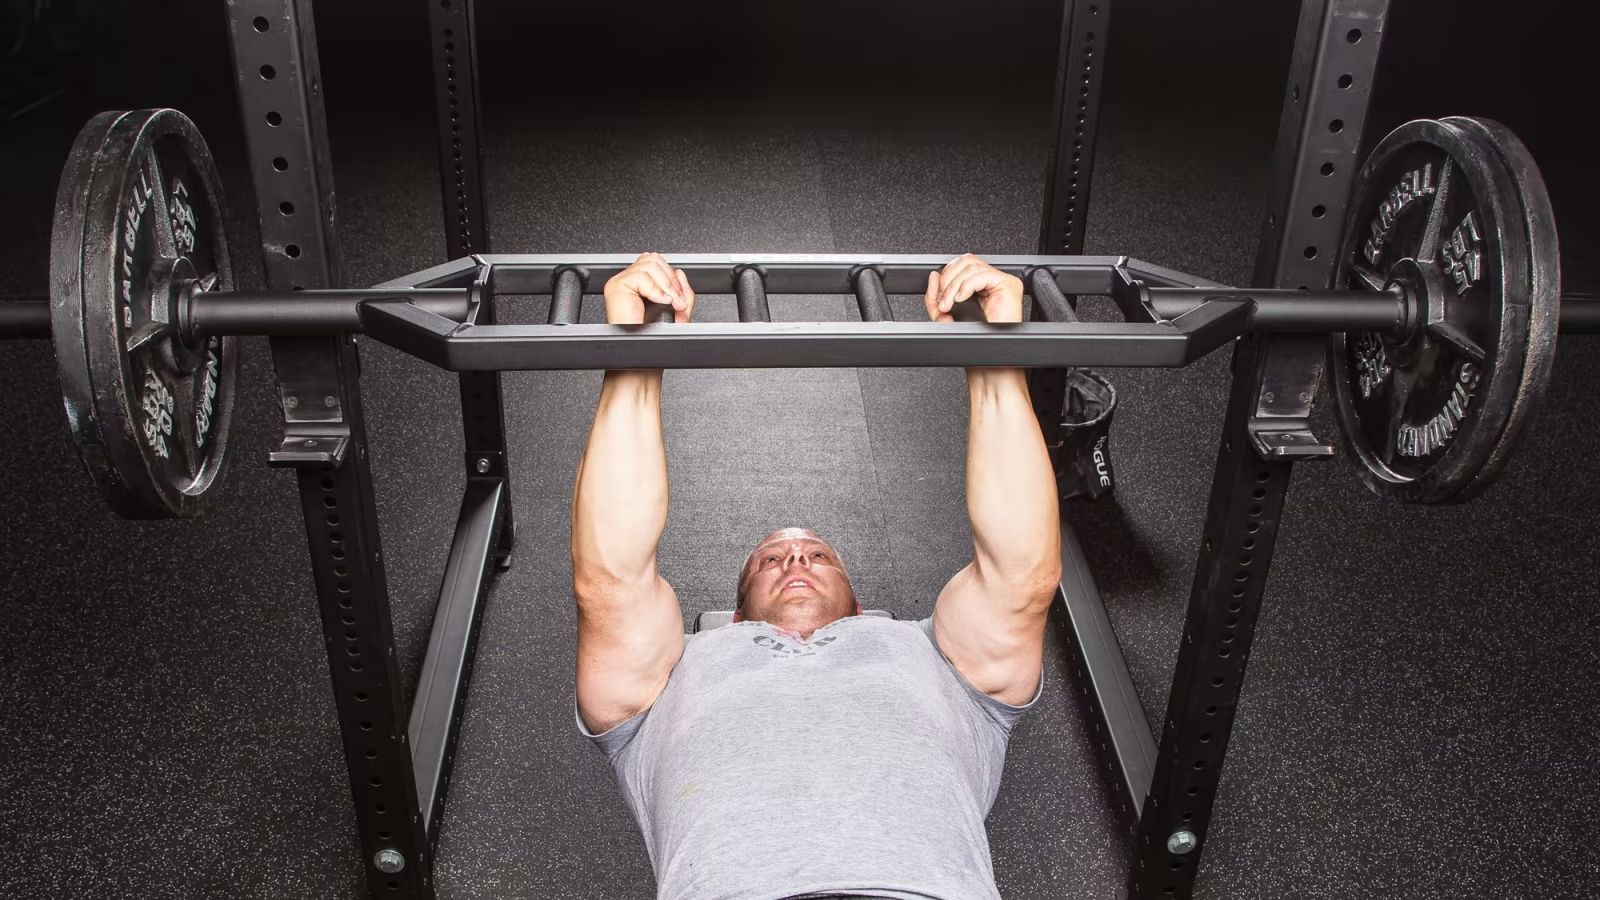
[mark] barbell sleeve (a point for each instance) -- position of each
(24, 317)
(308, 312)
(1293, 310)
(1580, 313)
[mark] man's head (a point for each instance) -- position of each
(794, 580)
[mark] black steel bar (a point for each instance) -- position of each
(1080, 65)
(456, 347)
(1266, 427)
(452, 33)
(1286, 311)
(483, 418)
(1241, 526)
(566, 301)
(1122, 735)
(750, 292)
(25, 318)
(307, 312)
(713, 273)
(870, 296)
(324, 437)
(1580, 313)
(437, 708)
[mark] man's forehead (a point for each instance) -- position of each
(787, 536)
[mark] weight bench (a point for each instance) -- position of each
(713, 619)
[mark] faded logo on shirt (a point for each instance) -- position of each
(786, 647)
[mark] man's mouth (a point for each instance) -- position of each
(798, 583)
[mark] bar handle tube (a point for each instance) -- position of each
(751, 291)
(566, 299)
(870, 296)
(1047, 295)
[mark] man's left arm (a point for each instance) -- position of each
(990, 618)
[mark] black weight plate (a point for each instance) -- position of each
(1455, 211)
(138, 215)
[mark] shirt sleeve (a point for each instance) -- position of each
(1002, 713)
(613, 739)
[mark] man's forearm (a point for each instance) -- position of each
(619, 507)
(1011, 489)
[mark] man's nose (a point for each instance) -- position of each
(797, 554)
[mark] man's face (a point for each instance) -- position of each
(795, 581)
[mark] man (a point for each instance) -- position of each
(807, 750)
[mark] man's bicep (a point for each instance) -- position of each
(628, 642)
(994, 633)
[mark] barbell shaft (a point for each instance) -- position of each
(335, 311)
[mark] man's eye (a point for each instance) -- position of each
(820, 555)
(769, 558)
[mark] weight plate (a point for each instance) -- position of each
(139, 220)
(1454, 212)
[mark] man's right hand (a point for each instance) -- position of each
(648, 280)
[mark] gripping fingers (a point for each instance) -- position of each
(685, 313)
(955, 280)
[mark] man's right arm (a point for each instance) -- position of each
(630, 629)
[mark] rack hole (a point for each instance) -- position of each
(356, 666)
(1318, 211)
(274, 118)
(379, 808)
(268, 73)
(1235, 607)
(1327, 169)
(375, 781)
(337, 553)
(330, 502)
(353, 650)
(333, 518)
(1244, 559)
(348, 619)
(1199, 764)
(1310, 252)
(259, 23)
(1345, 81)
(1336, 126)
(1249, 544)
(1218, 681)
(1211, 710)
(1254, 511)
(343, 587)
(366, 726)
(361, 696)
(327, 484)
(292, 251)
(372, 754)
(1259, 494)
(286, 208)
(345, 602)
(281, 164)
(1353, 35)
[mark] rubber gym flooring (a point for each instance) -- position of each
(1419, 716)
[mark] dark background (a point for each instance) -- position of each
(1419, 720)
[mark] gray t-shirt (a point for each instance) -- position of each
(856, 763)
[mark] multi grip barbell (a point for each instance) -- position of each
(1442, 320)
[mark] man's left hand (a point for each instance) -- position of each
(966, 277)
